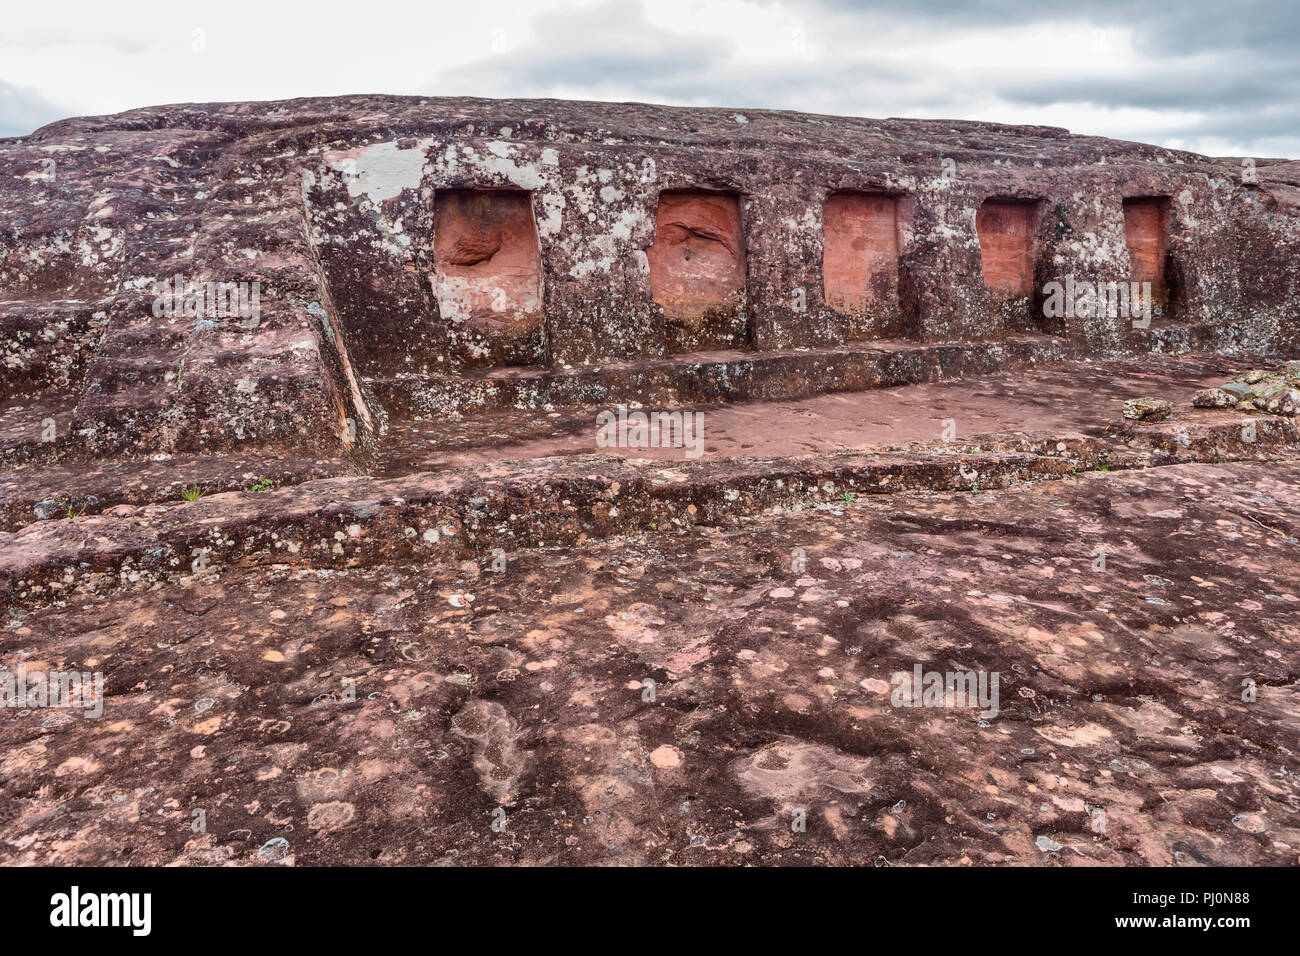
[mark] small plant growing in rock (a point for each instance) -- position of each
(72, 511)
(191, 492)
(848, 497)
(262, 484)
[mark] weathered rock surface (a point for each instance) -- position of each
(1147, 409)
(1256, 389)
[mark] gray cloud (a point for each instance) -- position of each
(23, 110)
(1237, 70)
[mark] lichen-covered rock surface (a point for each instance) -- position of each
(301, 453)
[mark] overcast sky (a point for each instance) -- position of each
(1218, 78)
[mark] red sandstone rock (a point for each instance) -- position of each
(487, 272)
(860, 261)
(1121, 690)
(333, 206)
(400, 496)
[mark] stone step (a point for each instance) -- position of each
(725, 376)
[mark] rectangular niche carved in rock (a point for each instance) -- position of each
(860, 257)
(488, 271)
(697, 269)
(1146, 221)
(1006, 234)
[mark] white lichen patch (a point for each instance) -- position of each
(382, 171)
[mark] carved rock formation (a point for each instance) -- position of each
(487, 272)
(428, 257)
(697, 267)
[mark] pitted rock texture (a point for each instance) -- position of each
(1125, 734)
(1147, 409)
